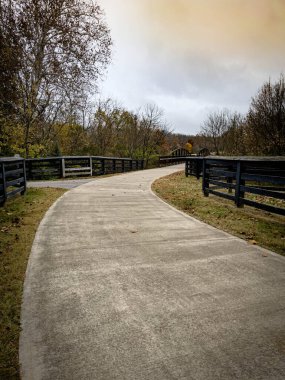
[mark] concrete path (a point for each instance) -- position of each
(122, 286)
(63, 184)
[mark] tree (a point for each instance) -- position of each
(102, 130)
(234, 139)
(64, 47)
(266, 120)
(152, 131)
(189, 145)
(9, 62)
(117, 131)
(214, 129)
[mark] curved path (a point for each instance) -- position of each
(122, 286)
(63, 184)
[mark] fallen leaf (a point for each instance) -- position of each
(251, 241)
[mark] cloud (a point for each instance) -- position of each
(190, 56)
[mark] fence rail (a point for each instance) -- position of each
(12, 178)
(256, 182)
(61, 167)
(170, 160)
(177, 156)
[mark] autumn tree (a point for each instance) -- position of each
(102, 129)
(266, 120)
(152, 131)
(64, 47)
(116, 131)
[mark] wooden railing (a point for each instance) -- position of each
(61, 167)
(169, 160)
(12, 178)
(194, 166)
(242, 180)
(177, 156)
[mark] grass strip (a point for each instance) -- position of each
(19, 219)
(255, 226)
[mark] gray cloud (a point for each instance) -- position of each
(184, 78)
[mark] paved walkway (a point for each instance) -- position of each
(64, 184)
(122, 286)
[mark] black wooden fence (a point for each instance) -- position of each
(12, 178)
(177, 156)
(61, 167)
(15, 171)
(242, 180)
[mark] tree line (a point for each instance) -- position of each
(260, 132)
(53, 52)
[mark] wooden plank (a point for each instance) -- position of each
(260, 191)
(262, 206)
(87, 169)
(223, 195)
(15, 182)
(222, 184)
(10, 194)
(221, 173)
(263, 178)
(14, 172)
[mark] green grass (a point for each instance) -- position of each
(255, 226)
(19, 219)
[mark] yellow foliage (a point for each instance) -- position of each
(189, 147)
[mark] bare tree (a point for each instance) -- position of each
(153, 131)
(234, 139)
(266, 120)
(214, 129)
(65, 46)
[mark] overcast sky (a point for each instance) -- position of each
(193, 56)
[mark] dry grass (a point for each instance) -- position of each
(255, 226)
(19, 219)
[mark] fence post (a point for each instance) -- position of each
(186, 168)
(25, 178)
(205, 184)
(30, 170)
(123, 166)
(239, 195)
(114, 166)
(4, 182)
(197, 166)
(103, 166)
(91, 166)
(230, 181)
(62, 168)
